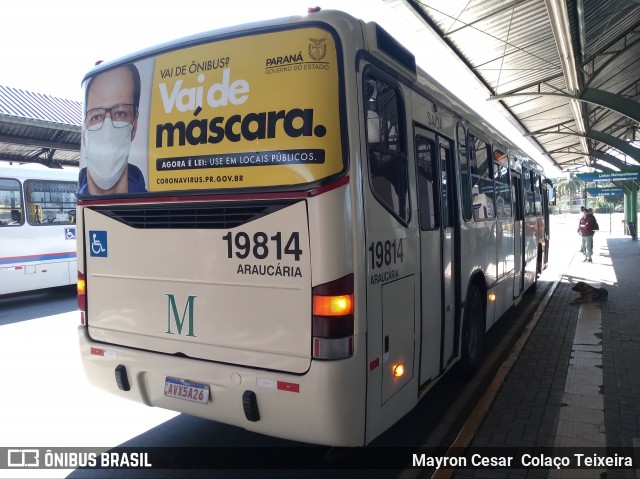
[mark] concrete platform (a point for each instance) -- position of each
(576, 383)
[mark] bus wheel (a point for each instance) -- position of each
(472, 332)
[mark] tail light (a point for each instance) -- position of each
(82, 297)
(332, 327)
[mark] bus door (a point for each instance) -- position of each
(436, 216)
(530, 229)
(518, 234)
(546, 191)
(391, 250)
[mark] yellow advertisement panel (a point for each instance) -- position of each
(252, 111)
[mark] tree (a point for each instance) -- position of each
(570, 186)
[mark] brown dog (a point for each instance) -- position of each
(589, 294)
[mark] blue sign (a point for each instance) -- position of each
(609, 177)
(606, 192)
(70, 233)
(98, 245)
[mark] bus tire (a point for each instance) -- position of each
(473, 326)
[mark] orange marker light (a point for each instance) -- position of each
(492, 296)
(341, 305)
(398, 370)
(82, 286)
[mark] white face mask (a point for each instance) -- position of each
(107, 151)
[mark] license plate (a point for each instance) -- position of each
(187, 390)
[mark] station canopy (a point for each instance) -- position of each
(566, 71)
(37, 128)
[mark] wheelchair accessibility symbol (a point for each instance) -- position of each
(98, 241)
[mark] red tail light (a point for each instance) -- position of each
(333, 324)
(82, 297)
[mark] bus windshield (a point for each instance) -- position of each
(245, 112)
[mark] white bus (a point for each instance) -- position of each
(307, 234)
(37, 227)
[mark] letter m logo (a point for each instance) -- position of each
(187, 313)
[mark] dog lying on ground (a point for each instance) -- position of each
(589, 294)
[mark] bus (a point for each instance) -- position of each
(37, 227)
(308, 231)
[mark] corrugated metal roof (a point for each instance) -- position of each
(40, 107)
(39, 128)
(514, 48)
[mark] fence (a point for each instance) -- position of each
(608, 222)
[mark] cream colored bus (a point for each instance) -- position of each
(288, 227)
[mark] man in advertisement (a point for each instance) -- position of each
(112, 99)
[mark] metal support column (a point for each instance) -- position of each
(631, 210)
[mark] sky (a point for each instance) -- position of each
(47, 46)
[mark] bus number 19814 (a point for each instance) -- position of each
(261, 244)
(386, 253)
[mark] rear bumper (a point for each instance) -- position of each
(324, 406)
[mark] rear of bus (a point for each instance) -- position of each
(216, 271)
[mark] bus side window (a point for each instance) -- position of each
(427, 209)
(385, 142)
(537, 193)
(482, 181)
(529, 209)
(50, 202)
(502, 186)
(465, 173)
(11, 212)
(516, 188)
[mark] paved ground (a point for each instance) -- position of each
(577, 382)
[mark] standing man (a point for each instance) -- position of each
(582, 210)
(112, 99)
(587, 230)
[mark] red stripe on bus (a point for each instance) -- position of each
(291, 387)
(332, 186)
(35, 257)
(374, 364)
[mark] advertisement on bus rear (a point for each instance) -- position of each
(254, 111)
